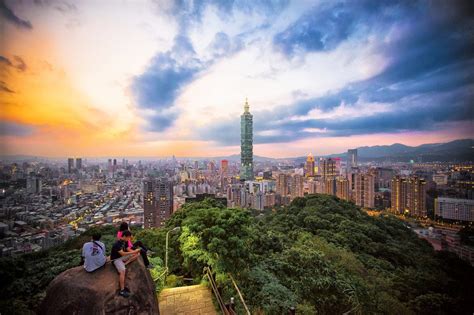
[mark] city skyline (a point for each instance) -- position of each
(169, 79)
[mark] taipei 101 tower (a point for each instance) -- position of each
(246, 144)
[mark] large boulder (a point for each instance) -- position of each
(77, 292)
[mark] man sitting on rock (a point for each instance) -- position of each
(93, 254)
(121, 257)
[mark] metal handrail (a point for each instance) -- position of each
(208, 273)
(162, 275)
(240, 294)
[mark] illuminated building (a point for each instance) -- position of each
(327, 168)
(416, 196)
(398, 196)
(409, 196)
(70, 165)
(440, 179)
(246, 144)
(364, 190)
(351, 158)
(157, 202)
(309, 166)
(454, 209)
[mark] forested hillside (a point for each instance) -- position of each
(320, 254)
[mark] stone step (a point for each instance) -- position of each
(189, 300)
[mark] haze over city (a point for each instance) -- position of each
(162, 78)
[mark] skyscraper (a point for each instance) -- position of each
(282, 185)
(70, 165)
(157, 201)
(224, 167)
(416, 196)
(328, 168)
(409, 196)
(398, 195)
(246, 144)
(364, 190)
(297, 189)
(309, 166)
(351, 158)
(342, 188)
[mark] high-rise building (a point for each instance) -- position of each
(211, 166)
(70, 165)
(398, 195)
(246, 144)
(309, 166)
(297, 188)
(33, 185)
(342, 188)
(330, 186)
(157, 201)
(416, 196)
(224, 167)
(351, 158)
(409, 196)
(282, 185)
(454, 209)
(327, 168)
(79, 164)
(364, 190)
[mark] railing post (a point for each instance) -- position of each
(292, 310)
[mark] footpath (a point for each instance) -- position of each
(189, 300)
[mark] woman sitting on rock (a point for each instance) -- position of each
(137, 245)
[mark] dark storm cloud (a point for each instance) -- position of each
(10, 16)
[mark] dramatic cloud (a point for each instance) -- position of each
(157, 88)
(10, 16)
(427, 83)
(164, 74)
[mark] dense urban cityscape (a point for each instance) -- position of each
(47, 202)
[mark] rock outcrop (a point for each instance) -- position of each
(78, 292)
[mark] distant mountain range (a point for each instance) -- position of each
(457, 151)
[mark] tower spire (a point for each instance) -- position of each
(246, 107)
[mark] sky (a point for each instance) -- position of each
(161, 78)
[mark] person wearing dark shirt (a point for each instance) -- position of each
(122, 256)
(144, 252)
